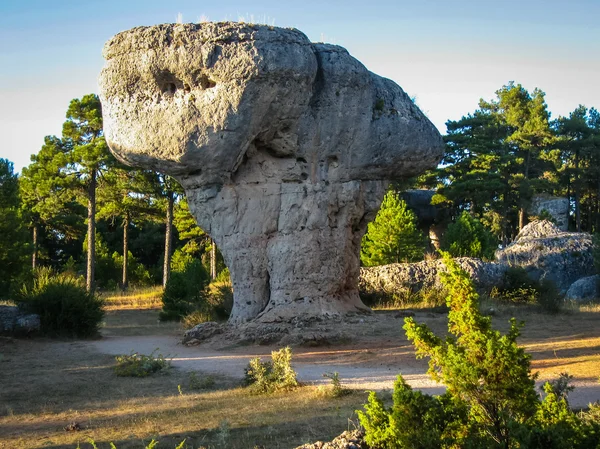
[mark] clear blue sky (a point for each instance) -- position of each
(447, 54)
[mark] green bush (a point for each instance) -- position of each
(183, 293)
(276, 375)
(490, 400)
(140, 365)
(518, 287)
(468, 237)
(63, 304)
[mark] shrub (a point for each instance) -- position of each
(140, 365)
(63, 304)
(399, 298)
(490, 400)
(518, 287)
(184, 291)
(335, 389)
(467, 237)
(276, 375)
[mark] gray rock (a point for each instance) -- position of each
(426, 274)
(13, 321)
(584, 289)
(347, 440)
(546, 252)
(202, 332)
(557, 207)
(284, 148)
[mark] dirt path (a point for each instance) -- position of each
(379, 351)
(309, 364)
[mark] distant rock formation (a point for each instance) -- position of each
(284, 148)
(546, 252)
(543, 250)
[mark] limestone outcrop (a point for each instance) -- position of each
(546, 252)
(284, 148)
(412, 277)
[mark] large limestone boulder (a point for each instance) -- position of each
(284, 148)
(413, 277)
(546, 252)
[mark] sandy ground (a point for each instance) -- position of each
(379, 351)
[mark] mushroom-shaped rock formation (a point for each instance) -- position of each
(284, 148)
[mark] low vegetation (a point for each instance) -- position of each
(140, 365)
(490, 400)
(63, 304)
(272, 376)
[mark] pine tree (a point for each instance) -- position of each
(88, 157)
(393, 236)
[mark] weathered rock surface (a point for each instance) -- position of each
(557, 207)
(202, 332)
(347, 440)
(13, 321)
(426, 274)
(584, 289)
(284, 148)
(546, 252)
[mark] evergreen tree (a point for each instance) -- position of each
(467, 237)
(88, 157)
(47, 201)
(393, 236)
(126, 194)
(13, 248)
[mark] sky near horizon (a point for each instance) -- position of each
(446, 54)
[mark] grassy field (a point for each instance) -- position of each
(47, 385)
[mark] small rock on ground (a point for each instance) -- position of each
(347, 440)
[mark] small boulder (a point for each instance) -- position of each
(13, 321)
(201, 332)
(584, 289)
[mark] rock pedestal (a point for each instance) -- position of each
(284, 148)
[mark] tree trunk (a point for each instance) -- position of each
(91, 241)
(213, 259)
(34, 256)
(125, 281)
(168, 238)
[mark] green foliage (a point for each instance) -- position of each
(13, 235)
(269, 377)
(183, 293)
(63, 304)
(467, 237)
(518, 287)
(335, 389)
(393, 236)
(140, 365)
(415, 420)
(490, 400)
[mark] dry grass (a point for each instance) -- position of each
(48, 385)
(138, 299)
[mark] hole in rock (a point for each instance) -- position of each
(304, 176)
(301, 160)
